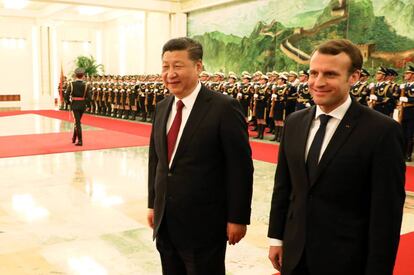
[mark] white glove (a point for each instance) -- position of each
(371, 85)
(373, 97)
(307, 104)
(155, 90)
(403, 99)
(274, 96)
(402, 86)
(239, 95)
(255, 95)
(224, 93)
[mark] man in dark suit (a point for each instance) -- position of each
(79, 97)
(339, 186)
(200, 168)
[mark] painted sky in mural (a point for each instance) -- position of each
(240, 19)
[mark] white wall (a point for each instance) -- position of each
(158, 32)
(131, 44)
(16, 62)
(124, 45)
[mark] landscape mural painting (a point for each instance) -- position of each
(280, 35)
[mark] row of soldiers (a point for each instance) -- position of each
(127, 97)
(266, 99)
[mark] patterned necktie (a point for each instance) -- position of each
(315, 149)
(175, 128)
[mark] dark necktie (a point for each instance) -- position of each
(315, 149)
(175, 128)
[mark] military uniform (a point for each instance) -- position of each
(78, 96)
(381, 97)
(407, 118)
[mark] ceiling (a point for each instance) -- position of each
(108, 9)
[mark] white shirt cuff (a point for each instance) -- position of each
(275, 242)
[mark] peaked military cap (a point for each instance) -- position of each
(364, 72)
(293, 73)
(392, 72)
(283, 76)
(382, 70)
(303, 72)
(410, 69)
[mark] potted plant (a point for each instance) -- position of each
(89, 64)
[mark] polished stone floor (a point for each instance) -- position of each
(85, 212)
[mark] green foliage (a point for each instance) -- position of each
(89, 65)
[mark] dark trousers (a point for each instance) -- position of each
(301, 268)
(77, 114)
(190, 261)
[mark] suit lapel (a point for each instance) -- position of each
(303, 138)
(200, 108)
(341, 134)
(163, 129)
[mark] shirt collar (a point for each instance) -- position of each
(337, 113)
(191, 98)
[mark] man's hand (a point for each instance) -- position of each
(275, 256)
(150, 218)
(235, 232)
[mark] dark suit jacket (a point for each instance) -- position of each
(78, 88)
(348, 220)
(210, 179)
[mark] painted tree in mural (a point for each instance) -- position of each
(381, 32)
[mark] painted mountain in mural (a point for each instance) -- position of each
(400, 15)
(277, 47)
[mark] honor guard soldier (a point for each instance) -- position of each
(360, 90)
(230, 88)
(304, 98)
(158, 92)
(116, 99)
(293, 78)
(244, 94)
(103, 94)
(121, 102)
(149, 92)
(380, 94)
(216, 84)
(133, 100)
(79, 97)
(291, 93)
(111, 98)
(127, 103)
(260, 99)
(204, 77)
(278, 106)
(395, 88)
(407, 113)
(143, 100)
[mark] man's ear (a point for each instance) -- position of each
(354, 77)
(199, 66)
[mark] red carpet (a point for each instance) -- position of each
(405, 264)
(261, 151)
(61, 142)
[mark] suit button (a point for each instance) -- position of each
(170, 174)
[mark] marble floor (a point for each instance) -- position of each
(85, 212)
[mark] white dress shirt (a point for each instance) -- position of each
(337, 115)
(188, 106)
